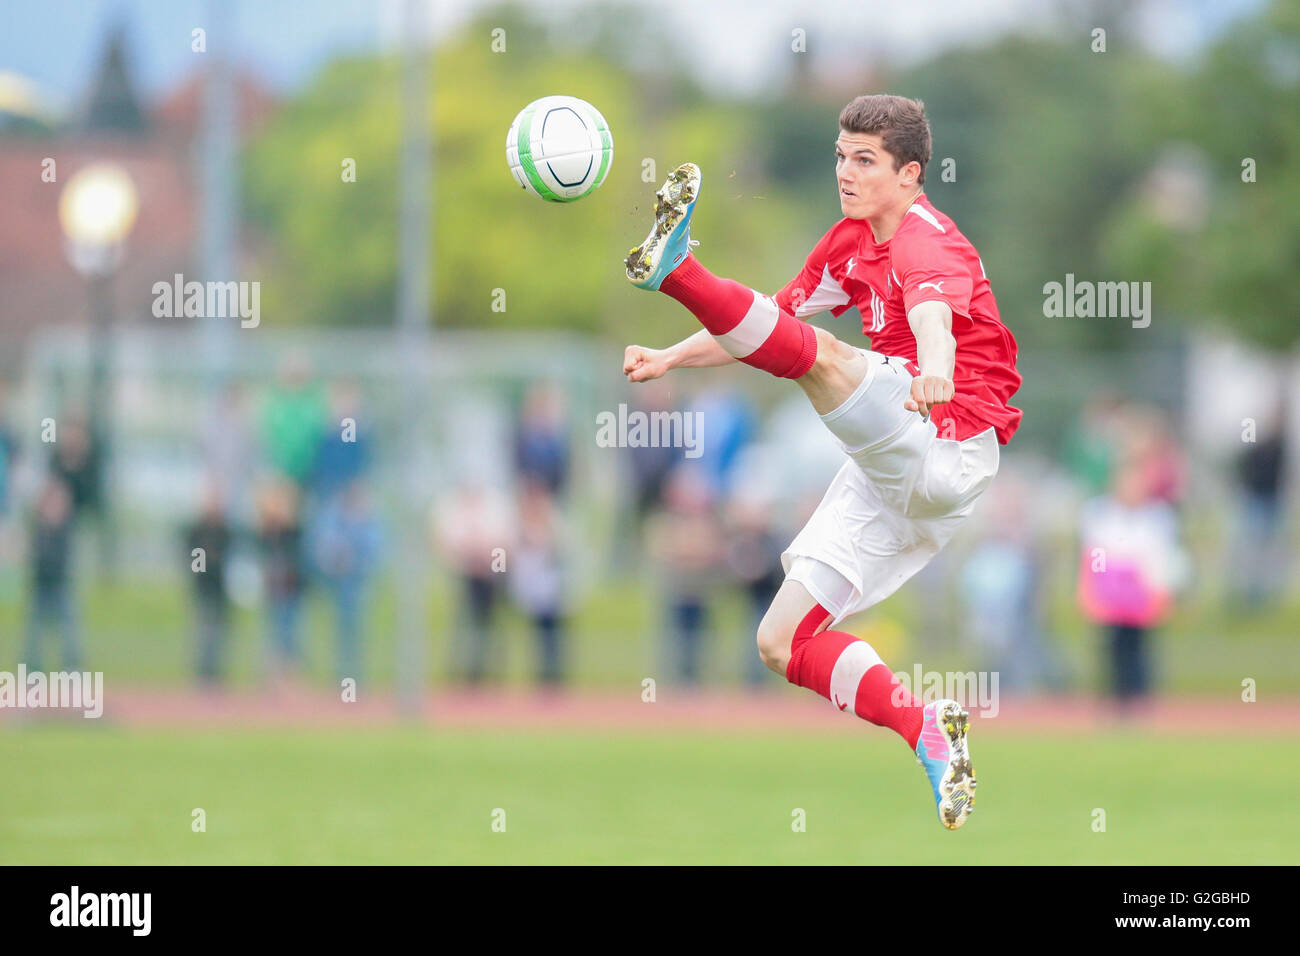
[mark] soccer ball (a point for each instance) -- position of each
(559, 148)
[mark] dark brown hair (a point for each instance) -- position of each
(905, 129)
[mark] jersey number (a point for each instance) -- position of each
(877, 313)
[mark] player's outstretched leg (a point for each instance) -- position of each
(944, 753)
(747, 324)
(669, 241)
(793, 641)
(847, 671)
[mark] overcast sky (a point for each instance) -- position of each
(57, 43)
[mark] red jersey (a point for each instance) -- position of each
(926, 259)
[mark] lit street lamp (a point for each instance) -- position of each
(97, 209)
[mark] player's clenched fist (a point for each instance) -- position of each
(641, 364)
(928, 390)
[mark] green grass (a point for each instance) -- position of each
(138, 632)
(103, 795)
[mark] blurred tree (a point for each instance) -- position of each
(333, 256)
(1060, 160)
(1045, 147)
(1234, 261)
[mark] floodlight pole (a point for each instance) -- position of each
(219, 189)
(414, 320)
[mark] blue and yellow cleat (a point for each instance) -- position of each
(943, 752)
(669, 241)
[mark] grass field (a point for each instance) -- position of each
(111, 796)
(139, 631)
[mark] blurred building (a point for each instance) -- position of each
(154, 143)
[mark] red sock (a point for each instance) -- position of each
(846, 670)
(748, 324)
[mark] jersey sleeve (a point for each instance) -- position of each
(814, 290)
(930, 269)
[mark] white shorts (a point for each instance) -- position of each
(894, 504)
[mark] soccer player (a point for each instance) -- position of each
(919, 415)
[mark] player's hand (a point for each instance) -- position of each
(928, 391)
(641, 364)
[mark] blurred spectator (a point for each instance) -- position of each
(473, 530)
(535, 576)
(343, 455)
(1260, 554)
(1091, 446)
(79, 459)
(1151, 446)
(542, 441)
(211, 532)
(1130, 566)
(345, 544)
(8, 458)
(727, 418)
(228, 450)
(280, 537)
(650, 466)
(51, 547)
(686, 542)
(78, 463)
(293, 421)
(753, 558)
(1001, 584)
(10, 527)
(646, 470)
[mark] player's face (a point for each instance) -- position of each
(865, 174)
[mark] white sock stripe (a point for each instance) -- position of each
(854, 661)
(753, 330)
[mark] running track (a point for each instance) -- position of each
(517, 709)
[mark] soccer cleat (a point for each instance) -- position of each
(943, 752)
(669, 241)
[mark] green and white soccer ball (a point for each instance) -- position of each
(559, 148)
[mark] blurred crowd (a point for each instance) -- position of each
(286, 507)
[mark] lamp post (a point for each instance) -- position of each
(414, 281)
(97, 209)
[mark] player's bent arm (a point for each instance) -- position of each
(936, 355)
(700, 350)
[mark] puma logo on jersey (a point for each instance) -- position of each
(852, 263)
(937, 286)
